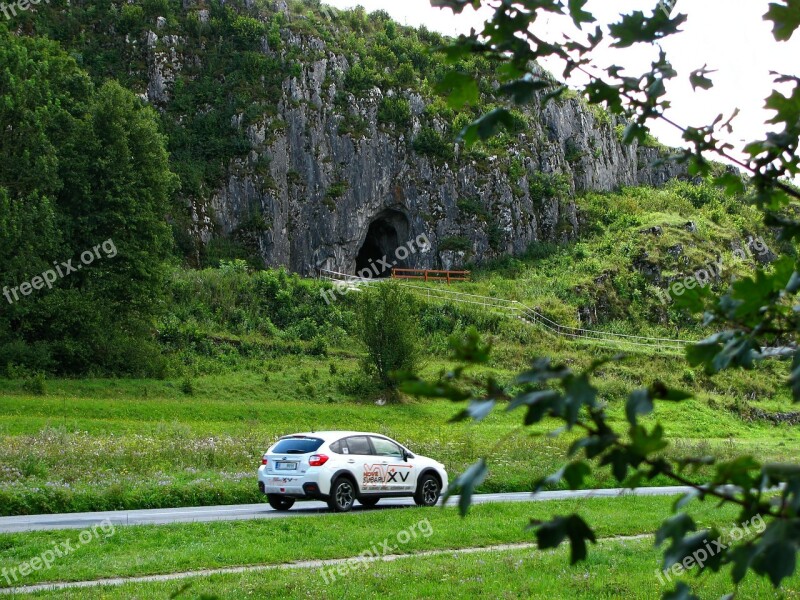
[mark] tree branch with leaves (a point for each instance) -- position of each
(756, 313)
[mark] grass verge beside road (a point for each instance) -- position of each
(150, 550)
(615, 569)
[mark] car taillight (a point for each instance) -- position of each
(263, 460)
(317, 460)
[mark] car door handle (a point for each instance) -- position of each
(351, 461)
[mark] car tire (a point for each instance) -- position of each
(369, 501)
(280, 502)
(428, 491)
(343, 495)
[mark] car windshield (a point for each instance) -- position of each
(297, 445)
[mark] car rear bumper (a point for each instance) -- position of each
(300, 487)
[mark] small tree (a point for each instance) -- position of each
(388, 329)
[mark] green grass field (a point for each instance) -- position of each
(112, 444)
(616, 567)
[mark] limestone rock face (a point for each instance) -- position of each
(316, 192)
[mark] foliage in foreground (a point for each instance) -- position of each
(755, 313)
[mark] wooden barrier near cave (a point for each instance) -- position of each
(430, 275)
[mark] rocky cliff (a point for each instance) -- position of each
(327, 181)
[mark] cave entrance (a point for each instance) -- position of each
(387, 232)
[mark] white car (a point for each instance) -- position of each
(341, 467)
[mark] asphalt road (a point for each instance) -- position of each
(244, 512)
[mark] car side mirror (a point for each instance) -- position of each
(405, 455)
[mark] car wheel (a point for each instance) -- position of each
(279, 502)
(428, 491)
(343, 495)
(368, 501)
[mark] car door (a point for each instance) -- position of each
(359, 460)
(399, 476)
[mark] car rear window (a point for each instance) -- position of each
(359, 445)
(297, 445)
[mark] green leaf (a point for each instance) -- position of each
(634, 131)
(532, 398)
(644, 443)
(698, 79)
(659, 391)
(742, 558)
(794, 378)
(524, 90)
(575, 474)
(477, 410)
(741, 471)
(541, 370)
(469, 348)
(578, 14)
(552, 533)
(461, 90)
(593, 445)
(466, 484)
(639, 403)
(785, 18)
(486, 126)
(599, 91)
(685, 499)
(579, 392)
(457, 6)
(636, 28)
(693, 300)
(777, 560)
(675, 528)
(620, 460)
(424, 389)
(732, 183)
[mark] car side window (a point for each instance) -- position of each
(339, 447)
(386, 448)
(359, 445)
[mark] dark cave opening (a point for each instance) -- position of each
(385, 235)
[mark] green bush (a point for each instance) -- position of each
(431, 143)
(473, 207)
(456, 244)
(361, 79)
(549, 186)
(395, 111)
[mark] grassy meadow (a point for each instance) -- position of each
(112, 444)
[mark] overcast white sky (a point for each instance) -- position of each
(730, 35)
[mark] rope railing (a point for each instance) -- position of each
(518, 310)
